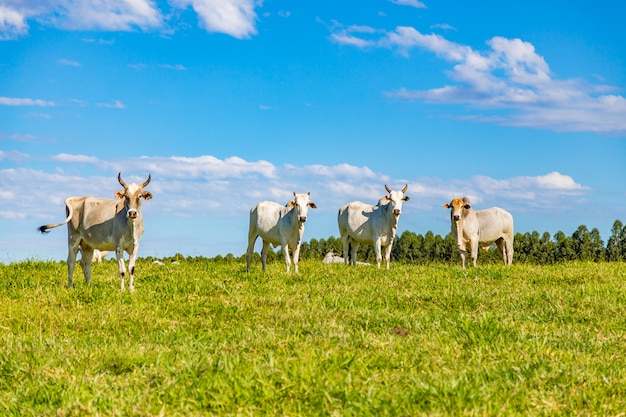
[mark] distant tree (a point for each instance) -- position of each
(315, 250)
(529, 247)
(406, 247)
(548, 250)
(597, 246)
(429, 248)
(564, 247)
(616, 246)
(581, 240)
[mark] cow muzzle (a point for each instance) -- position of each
(456, 218)
(396, 212)
(132, 214)
(302, 219)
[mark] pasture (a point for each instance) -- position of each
(207, 338)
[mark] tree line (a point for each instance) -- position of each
(529, 247)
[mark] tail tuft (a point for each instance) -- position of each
(43, 229)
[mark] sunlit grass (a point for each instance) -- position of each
(205, 338)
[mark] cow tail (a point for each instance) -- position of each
(70, 212)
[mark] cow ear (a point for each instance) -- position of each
(446, 206)
(291, 203)
(467, 207)
(406, 198)
(312, 204)
(119, 194)
(147, 195)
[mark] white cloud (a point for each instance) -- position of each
(508, 83)
(177, 67)
(208, 186)
(355, 35)
(12, 23)
(413, 3)
(194, 192)
(69, 158)
(113, 15)
(11, 101)
(115, 105)
(69, 63)
(236, 18)
(558, 181)
(443, 26)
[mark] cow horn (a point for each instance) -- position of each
(387, 188)
(147, 181)
(406, 187)
(119, 178)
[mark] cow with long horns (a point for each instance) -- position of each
(361, 223)
(105, 224)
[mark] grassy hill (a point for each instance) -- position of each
(206, 338)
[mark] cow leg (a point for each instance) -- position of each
(131, 266)
(388, 255)
(509, 251)
(264, 249)
(345, 240)
(377, 252)
(296, 258)
(73, 246)
(462, 253)
(354, 248)
(501, 247)
(251, 240)
(121, 268)
(286, 255)
(474, 249)
(85, 262)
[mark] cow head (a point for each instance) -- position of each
(457, 205)
(132, 195)
(301, 204)
(395, 198)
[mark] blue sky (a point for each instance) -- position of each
(226, 103)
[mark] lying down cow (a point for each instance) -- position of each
(473, 228)
(104, 224)
(331, 258)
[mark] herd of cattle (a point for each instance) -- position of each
(98, 224)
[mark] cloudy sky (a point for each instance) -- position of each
(229, 102)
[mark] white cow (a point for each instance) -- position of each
(99, 255)
(474, 228)
(331, 258)
(279, 225)
(364, 223)
(104, 224)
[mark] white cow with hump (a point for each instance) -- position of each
(105, 224)
(473, 228)
(279, 225)
(361, 223)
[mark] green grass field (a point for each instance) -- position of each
(206, 338)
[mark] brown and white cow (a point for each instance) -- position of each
(473, 228)
(106, 225)
(279, 225)
(364, 223)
